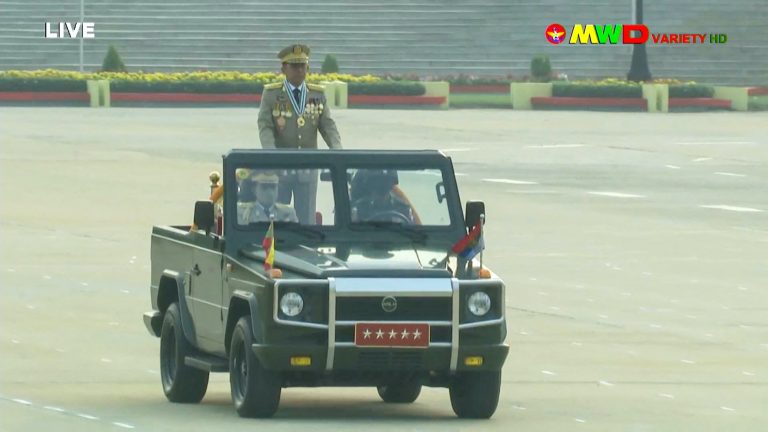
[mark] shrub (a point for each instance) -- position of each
(112, 61)
(15, 84)
(541, 69)
(399, 88)
(330, 65)
(597, 90)
(691, 91)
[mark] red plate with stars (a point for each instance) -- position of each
(411, 335)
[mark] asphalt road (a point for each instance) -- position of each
(634, 248)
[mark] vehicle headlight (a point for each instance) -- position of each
(479, 303)
(291, 304)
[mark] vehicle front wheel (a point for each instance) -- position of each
(475, 394)
(255, 390)
(181, 383)
(399, 391)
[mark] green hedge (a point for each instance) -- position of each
(597, 90)
(401, 88)
(42, 85)
(227, 87)
(691, 91)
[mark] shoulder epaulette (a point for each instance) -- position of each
(316, 87)
(273, 86)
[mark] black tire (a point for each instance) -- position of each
(181, 383)
(399, 392)
(255, 390)
(475, 394)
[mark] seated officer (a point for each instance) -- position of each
(373, 198)
(258, 201)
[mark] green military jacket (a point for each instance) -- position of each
(279, 125)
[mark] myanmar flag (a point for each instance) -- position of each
(471, 244)
(269, 246)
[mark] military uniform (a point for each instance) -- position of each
(289, 118)
(248, 212)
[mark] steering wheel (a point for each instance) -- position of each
(392, 214)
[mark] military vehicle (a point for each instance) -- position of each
(370, 292)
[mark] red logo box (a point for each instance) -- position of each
(392, 335)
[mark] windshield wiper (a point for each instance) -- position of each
(413, 234)
(296, 227)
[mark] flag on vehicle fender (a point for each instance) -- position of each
(471, 244)
(269, 246)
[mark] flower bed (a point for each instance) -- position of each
(600, 104)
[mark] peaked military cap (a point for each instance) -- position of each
(296, 53)
(266, 177)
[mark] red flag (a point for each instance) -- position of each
(269, 246)
(469, 241)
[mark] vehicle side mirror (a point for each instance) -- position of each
(204, 216)
(472, 213)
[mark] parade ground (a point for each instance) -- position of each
(634, 248)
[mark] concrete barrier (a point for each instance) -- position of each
(650, 93)
(94, 91)
(439, 89)
(521, 93)
(105, 95)
(739, 96)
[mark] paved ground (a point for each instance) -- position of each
(634, 247)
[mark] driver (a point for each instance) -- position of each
(373, 198)
(258, 201)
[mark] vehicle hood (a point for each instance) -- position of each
(365, 260)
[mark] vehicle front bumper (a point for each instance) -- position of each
(353, 358)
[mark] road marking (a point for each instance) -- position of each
(716, 143)
(152, 371)
(742, 288)
(59, 350)
(725, 408)
(688, 361)
(627, 294)
(509, 181)
(47, 277)
(730, 174)
(656, 326)
(672, 166)
(533, 279)
(125, 291)
(460, 174)
(554, 308)
(605, 383)
(551, 146)
(590, 300)
(87, 417)
(22, 401)
(543, 293)
(732, 208)
(746, 327)
(576, 343)
(647, 274)
(10, 270)
(123, 425)
(580, 420)
(518, 407)
(748, 373)
(53, 408)
(708, 335)
(524, 333)
(666, 395)
(84, 283)
(106, 360)
(691, 316)
(31, 307)
(603, 316)
(546, 372)
(616, 194)
(702, 159)
(14, 341)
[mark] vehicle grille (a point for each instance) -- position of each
(436, 334)
(408, 309)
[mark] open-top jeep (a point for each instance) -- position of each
(354, 285)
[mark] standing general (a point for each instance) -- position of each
(292, 112)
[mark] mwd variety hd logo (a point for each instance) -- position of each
(593, 34)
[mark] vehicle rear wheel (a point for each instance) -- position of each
(255, 390)
(475, 394)
(181, 383)
(401, 391)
